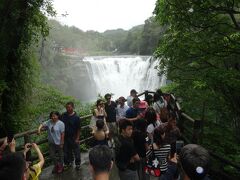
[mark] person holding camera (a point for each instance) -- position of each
(32, 172)
(55, 129)
(10, 143)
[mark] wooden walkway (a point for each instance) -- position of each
(73, 174)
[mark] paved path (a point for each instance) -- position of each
(72, 174)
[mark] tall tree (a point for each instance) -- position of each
(200, 49)
(21, 24)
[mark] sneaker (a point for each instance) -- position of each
(77, 167)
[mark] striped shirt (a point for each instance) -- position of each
(162, 156)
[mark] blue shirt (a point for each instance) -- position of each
(72, 125)
(132, 112)
(54, 131)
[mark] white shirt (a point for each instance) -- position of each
(121, 111)
(129, 101)
(151, 128)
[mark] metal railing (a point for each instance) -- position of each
(26, 135)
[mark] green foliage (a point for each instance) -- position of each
(200, 46)
(21, 24)
(84, 147)
(46, 99)
(151, 34)
(200, 53)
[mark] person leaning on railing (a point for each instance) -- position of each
(55, 129)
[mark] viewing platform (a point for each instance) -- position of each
(190, 128)
(72, 174)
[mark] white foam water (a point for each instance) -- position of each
(120, 74)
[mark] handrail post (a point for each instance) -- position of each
(197, 129)
(27, 140)
(180, 123)
(146, 94)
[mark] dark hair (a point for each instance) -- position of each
(171, 116)
(98, 102)
(164, 114)
(124, 123)
(12, 166)
(195, 161)
(157, 97)
(54, 113)
(149, 99)
(133, 91)
(157, 136)
(151, 116)
(100, 157)
(134, 100)
(107, 95)
(70, 103)
(100, 124)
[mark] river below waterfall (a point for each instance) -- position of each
(114, 74)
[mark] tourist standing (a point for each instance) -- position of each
(121, 108)
(159, 102)
(125, 153)
(171, 130)
(100, 136)
(110, 108)
(140, 143)
(133, 113)
(133, 94)
(55, 129)
(72, 135)
(99, 113)
(160, 150)
(151, 118)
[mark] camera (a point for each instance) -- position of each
(29, 146)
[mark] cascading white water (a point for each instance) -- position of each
(118, 75)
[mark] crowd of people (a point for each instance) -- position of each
(140, 136)
(144, 137)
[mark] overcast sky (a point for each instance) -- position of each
(101, 15)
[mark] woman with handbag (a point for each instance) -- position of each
(157, 155)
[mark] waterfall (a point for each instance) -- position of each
(120, 74)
